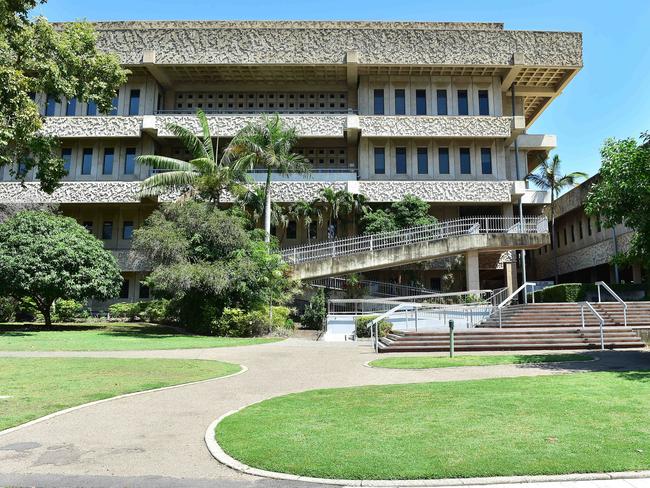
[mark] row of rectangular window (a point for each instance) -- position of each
(599, 228)
(124, 290)
(107, 229)
(421, 102)
(91, 107)
(107, 161)
(423, 160)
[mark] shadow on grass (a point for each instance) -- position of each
(10, 328)
(147, 332)
(111, 329)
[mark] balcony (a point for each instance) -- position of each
(317, 174)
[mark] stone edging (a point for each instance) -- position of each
(368, 365)
(118, 397)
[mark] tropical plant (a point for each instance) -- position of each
(548, 177)
(358, 207)
(306, 213)
(252, 203)
(337, 204)
(269, 145)
(204, 175)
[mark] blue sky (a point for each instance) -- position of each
(610, 97)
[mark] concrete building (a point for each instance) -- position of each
(385, 109)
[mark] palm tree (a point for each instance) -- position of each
(548, 177)
(252, 203)
(204, 174)
(337, 203)
(358, 206)
(268, 145)
(306, 212)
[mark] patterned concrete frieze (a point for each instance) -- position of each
(438, 191)
(434, 126)
(72, 192)
(85, 127)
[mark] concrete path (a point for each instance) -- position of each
(156, 439)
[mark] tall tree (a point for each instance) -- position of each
(204, 175)
(306, 213)
(548, 176)
(622, 193)
(337, 204)
(61, 62)
(267, 145)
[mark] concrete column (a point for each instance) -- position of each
(472, 271)
(636, 273)
(511, 276)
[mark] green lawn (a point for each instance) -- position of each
(39, 386)
(426, 362)
(110, 337)
(584, 422)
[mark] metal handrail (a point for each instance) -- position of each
(425, 233)
(374, 328)
(600, 319)
(380, 288)
(505, 302)
(616, 297)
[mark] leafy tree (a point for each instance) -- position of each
(315, 312)
(622, 193)
(337, 203)
(358, 207)
(377, 221)
(204, 260)
(411, 211)
(37, 58)
(204, 175)
(269, 145)
(46, 257)
(549, 177)
(306, 212)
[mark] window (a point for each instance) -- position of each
(400, 160)
(573, 233)
(423, 161)
(292, 229)
(557, 238)
(50, 106)
(380, 161)
(443, 160)
(129, 161)
(313, 230)
(88, 225)
(134, 102)
(91, 108)
(564, 234)
(66, 155)
(580, 233)
(465, 161)
(87, 161)
(589, 225)
(486, 160)
(379, 102)
(420, 102)
(441, 96)
(483, 103)
(144, 291)
(400, 102)
(107, 165)
(124, 290)
(107, 230)
(127, 230)
(463, 104)
(114, 104)
(71, 107)
(599, 225)
(21, 170)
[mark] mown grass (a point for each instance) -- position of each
(577, 423)
(35, 387)
(103, 336)
(427, 362)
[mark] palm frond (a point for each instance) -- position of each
(207, 136)
(172, 180)
(190, 141)
(163, 162)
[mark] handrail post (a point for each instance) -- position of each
(598, 288)
(582, 314)
(500, 324)
(602, 335)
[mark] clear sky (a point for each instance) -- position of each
(610, 97)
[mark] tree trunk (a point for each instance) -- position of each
(554, 241)
(46, 309)
(267, 208)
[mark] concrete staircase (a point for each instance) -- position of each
(512, 339)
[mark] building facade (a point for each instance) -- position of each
(385, 109)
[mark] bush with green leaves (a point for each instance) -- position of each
(362, 329)
(8, 307)
(126, 310)
(315, 312)
(410, 211)
(69, 310)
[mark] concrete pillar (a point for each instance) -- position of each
(472, 271)
(511, 276)
(636, 273)
(507, 210)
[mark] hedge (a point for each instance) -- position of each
(579, 292)
(361, 326)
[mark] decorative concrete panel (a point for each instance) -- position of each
(100, 126)
(438, 191)
(434, 126)
(128, 260)
(74, 192)
(304, 43)
(229, 125)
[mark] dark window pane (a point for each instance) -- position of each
(292, 229)
(129, 161)
(107, 165)
(573, 233)
(400, 102)
(379, 102)
(107, 230)
(589, 225)
(91, 108)
(483, 102)
(463, 105)
(21, 170)
(71, 108)
(423, 161)
(486, 160)
(465, 161)
(599, 225)
(134, 102)
(313, 230)
(88, 225)
(420, 102)
(124, 290)
(400, 160)
(127, 230)
(380, 161)
(443, 160)
(66, 155)
(144, 291)
(580, 231)
(115, 103)
(87, 161)
(442, 102)
(50, 106)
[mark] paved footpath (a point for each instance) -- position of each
(156, 439)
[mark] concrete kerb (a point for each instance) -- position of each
(368, 365)
(118, 397)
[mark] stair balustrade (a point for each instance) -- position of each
(600, 318)
(616, 297)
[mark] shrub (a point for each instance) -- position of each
(8, 307)
(234, 322)
(281, 320)
(156, 311)
(126, 310)
(361, 326)
(315, 312)
(68, 310)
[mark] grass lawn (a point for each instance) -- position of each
(39, 386)
(110, 337)
(426, 362)
(584, 422)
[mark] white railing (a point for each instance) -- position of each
(377, 288)
(413, 235)
(512, 296)
(616, 297)
(451, 298)
(600, 318)
(373, 325)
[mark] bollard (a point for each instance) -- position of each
(451, 338)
